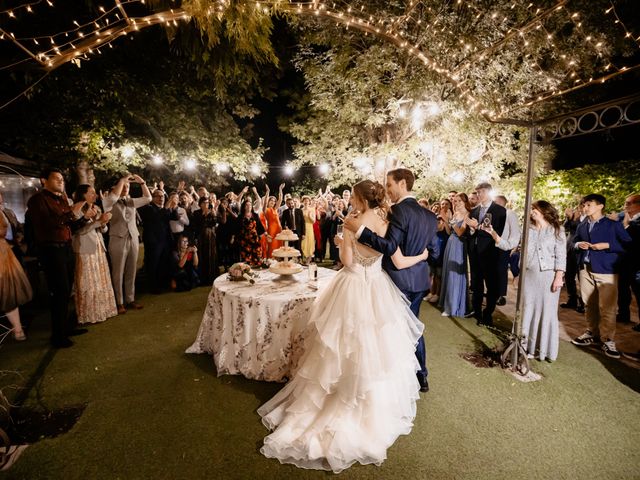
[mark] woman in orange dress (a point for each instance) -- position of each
(271, 206)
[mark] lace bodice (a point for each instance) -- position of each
(361, 261)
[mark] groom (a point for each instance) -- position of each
(412, 228)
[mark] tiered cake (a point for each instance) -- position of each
(285, 255)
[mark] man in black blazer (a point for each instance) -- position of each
(483, 253)
(293, 219)
(158, 242)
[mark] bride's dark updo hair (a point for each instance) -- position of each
(371, 192)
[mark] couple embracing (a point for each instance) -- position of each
(356, 386)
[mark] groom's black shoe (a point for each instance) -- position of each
(424, 384)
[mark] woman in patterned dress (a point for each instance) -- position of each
(248, 232)
(95, 300)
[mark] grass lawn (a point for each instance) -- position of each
(154, 412)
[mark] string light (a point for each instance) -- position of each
(627, 33)
(108, 27)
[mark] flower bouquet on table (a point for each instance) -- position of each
(241, 271)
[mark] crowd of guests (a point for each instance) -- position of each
(88, 244)
(597, 255)
(88, 248)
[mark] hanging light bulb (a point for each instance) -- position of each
(324, 168)
(255, 169)
(417, 117)
(289, 170)
(128, 151)
(190, 164)
(157, 160)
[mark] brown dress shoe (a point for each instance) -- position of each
(134, 306)
(121, 310)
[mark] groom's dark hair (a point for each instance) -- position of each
(402, 174)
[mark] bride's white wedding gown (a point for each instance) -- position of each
(355, 390)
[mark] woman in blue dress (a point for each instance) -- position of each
(453, 293)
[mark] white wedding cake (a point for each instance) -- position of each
(286, 266)
(287, 235)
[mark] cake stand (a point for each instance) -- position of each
(284, 256)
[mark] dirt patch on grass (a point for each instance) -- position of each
(29, 426)
(486, 358)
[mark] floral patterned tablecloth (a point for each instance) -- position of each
(258, 330)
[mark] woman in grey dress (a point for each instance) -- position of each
(543, 279)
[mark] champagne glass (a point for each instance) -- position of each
(340, 231)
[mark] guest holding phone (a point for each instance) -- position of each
(483, 253)
(185, 266)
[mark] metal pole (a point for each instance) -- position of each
(533, 131)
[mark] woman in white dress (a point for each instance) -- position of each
(95, 300)
(355, 388)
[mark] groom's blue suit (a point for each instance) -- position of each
(412, 228)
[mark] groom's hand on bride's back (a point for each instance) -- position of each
(352, 222)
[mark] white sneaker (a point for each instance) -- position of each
(445, 314)
(428, 297)
(610, 349)
(434, 299)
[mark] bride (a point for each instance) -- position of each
(355, 390)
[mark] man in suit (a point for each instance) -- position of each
(573, 217)
(412, 228)
(293, 219)
(631, 271)
(158, 243)
(484, 256)
(628, 282)
(123, 239)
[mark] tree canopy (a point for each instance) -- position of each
(388, 83)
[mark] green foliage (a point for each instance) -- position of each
(564, 188)
(118, 112)
(358, 118)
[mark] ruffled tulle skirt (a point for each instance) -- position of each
(355, 389)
